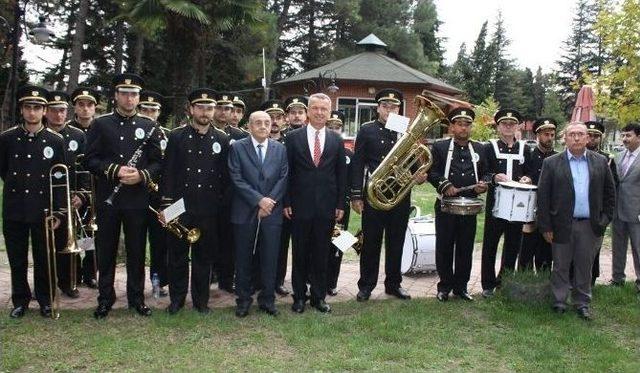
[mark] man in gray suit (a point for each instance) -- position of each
(626, 221)
(576, 198)
(258, 170)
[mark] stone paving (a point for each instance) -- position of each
(420, 286)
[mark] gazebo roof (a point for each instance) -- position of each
(374, 67)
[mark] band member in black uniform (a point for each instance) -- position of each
(296, 114)
(196, 170)
(237, 113)
(27, 152)
(75, 143)
(457, 171)
(336, 124)
(373, 143)
(275, 109)
(505, 161)
(535, 251)
(595, 130)
(84, 101)
(224, 261)
(123, 153)
(151, 105)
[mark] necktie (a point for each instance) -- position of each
(260, 156)
(626, 163)
(316, 149)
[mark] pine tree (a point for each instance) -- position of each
(480, 86)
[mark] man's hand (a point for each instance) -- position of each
(129, 175)
(548, 236)
(161, 218)
(267, 204)
(263, 213)
(525, 180)
(481, 187)
(339, 214)
(357, 205)
(451, 191)
(76, 202)
(288, 213)
(56, 223)
(501, 177)
(420, 177)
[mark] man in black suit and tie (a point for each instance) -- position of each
(315, 200)
(258, 171)
(576, 198)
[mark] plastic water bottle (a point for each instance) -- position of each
(155, 283)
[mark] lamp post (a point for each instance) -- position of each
(39, 34)
(326, 80)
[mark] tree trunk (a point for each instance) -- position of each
(137, 65)
(118, 47)
(76, 47)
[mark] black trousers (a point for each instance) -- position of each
(311, 240)
(267, 249)
(16, 237)
(134, 223)
(158, 249)
(393, 224)
(455, 235)
(283, 254)
(335, 255)
(202, 252)
(494, 228)
(224, 261)
(535, 252)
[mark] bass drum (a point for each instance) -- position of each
(419, 251)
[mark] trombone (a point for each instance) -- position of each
(87, 222)
(56, 173)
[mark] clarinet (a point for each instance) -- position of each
(131, 163)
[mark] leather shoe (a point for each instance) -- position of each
(585, 314)
(464, 296)
(173, 308)
(143, 310)
(242, 310)
(71, 293)
(488, 293)
(18, 312)
(321, 306)
(101, 311)
(559, 310)
(363, 296)
(398, 293)
(229, 288)
(442, 296)
(45, 311)
(91, 284)
(203, 310)
(269, 309)
(282, 291)
(332, 292)
(298, 306)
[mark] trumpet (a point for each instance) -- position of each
(57, 172)
(174, 226)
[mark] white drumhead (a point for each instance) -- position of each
(419, 251)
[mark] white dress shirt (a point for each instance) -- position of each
(264, 144)
(311, 138)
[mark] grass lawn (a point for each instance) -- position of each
(493, 335)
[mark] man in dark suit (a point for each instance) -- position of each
(258, 171)
(576, 198)
(316, 199)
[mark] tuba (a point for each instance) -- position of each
(394, 177)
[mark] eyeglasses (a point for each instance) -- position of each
(575, 134)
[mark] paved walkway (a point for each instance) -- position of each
(420, 286)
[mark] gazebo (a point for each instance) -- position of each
(352, 83)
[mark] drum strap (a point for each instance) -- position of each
(509, 157)
(474, 159)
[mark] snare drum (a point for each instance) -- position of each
(461, 205)
(515, 202)
(419, 251)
